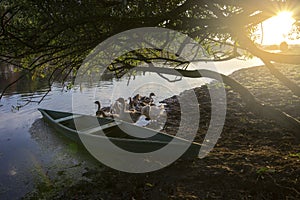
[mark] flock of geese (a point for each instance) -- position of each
(136, 108)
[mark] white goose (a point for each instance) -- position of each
(153, 112)
(126, 115)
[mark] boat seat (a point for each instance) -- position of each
(67, 118)
(99, 128)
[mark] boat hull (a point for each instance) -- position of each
(110, 136)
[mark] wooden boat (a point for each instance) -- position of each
(96, 130)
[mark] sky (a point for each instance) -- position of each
(275, 30)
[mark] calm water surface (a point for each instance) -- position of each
(31, 152)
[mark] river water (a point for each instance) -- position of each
(33, 155)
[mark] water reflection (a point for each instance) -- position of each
(64, 153)
(8, 74)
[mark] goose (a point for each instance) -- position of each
(121, 101)
(146, 111)
(126, 115)
(115, 108)
(147, 100)
(136, 98)
(101, 112)
(132, 105)
(153, 112)
(142, 121)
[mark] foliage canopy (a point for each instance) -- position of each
(47, 37)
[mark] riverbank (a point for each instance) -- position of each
(254, 158)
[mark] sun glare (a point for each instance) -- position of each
(276, 29)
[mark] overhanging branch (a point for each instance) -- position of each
(252, 103)
(267, 57)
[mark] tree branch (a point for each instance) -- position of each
(266, 57)
(265, 111)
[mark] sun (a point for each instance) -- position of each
(276, 29)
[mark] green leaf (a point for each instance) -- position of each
(295, 155)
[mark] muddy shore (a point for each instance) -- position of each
(253, 159)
